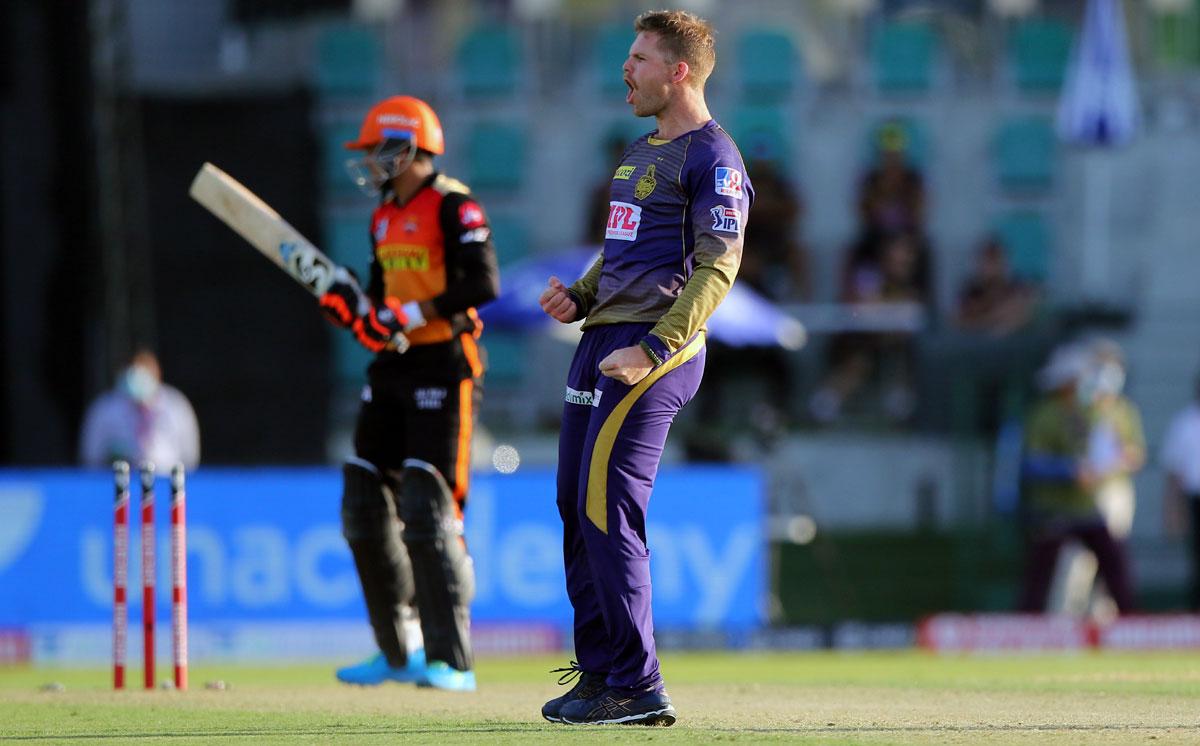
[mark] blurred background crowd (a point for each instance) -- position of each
(961, 270)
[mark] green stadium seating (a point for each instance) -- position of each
(1026, 237)
(902, 56)
(510, 233)
(496, 156)
(1175, 38)
(1025, 149)
(348, 61)
(766, 62)
(761, 132)
(609, 52)
(1039, 50)
(489, 61)
(506, 359)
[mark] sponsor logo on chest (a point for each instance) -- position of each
(623, 221)
(403, 257)
(624, 172)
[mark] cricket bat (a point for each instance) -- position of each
(258, 223)
(264, 229)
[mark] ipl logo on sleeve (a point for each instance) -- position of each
(726, 220)
(729, 182)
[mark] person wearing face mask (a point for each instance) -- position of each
(141, 419)
(1116, 450)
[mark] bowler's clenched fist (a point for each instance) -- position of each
(627, 365)
(556, 301)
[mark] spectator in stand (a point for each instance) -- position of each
(1060, 485)
(993, 301)
(891, 197)
(141, 419)
(775, 265)
(1180, 457)
(898, 274)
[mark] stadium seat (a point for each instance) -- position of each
(1039, 49)
(609, 52)
(489, 62)
(902, 57)
(1176, 38)
(510, 233)
(1026, 237)
(348, 61)
(761, 132)
(496, 156)
(1025, 149)
(766, 62)
(506, 359)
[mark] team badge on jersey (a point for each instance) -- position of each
(726, 220)
(645, 185)
(729, 182)
(623, 221)
(470, 214)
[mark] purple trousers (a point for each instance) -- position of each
(611, 441)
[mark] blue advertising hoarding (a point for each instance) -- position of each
(265, 552)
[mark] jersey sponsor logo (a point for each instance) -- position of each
(479, 235)
(624, 172)
(726, 220)
(403, 257)
(623, 221)
(429, 398)
(645, 185)
(729, 182)
(381, 229)
(470, 214)
(583, 398)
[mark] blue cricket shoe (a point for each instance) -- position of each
(441, 675)
(375, 670)
(621, 706)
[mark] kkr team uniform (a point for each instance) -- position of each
(421, 404)
(672, 248)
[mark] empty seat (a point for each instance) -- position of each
(506, 358)
(1026, 237)
(348, 61)
(510, 234)
(489, 62)
(610, 49)
(761, 133)
(767, 62)
(1039, 50)
(496, 156)
(1025, 149)
(902, 57)
(1175, 38)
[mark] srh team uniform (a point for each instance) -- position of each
(672, 247)
(421, 405)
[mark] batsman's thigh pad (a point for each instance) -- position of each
(444, 574)
(372, 529)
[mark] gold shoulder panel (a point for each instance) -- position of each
(449, 185)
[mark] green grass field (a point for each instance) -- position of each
(795, 697)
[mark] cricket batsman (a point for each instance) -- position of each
(677, 213)
(432, 262)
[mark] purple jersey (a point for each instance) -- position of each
(677, 215)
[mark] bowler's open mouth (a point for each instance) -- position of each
(629, 95)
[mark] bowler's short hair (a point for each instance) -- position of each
(682, 36)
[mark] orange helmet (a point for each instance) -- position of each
(401, 117)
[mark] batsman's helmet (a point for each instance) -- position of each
(401, 118)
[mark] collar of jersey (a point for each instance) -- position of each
(652, 140)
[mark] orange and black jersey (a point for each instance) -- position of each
(435, 247)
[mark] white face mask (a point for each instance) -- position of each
(139, 383)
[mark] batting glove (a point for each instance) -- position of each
(344, 302)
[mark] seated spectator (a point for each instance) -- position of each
(774, 260)
(141, 419)
(891, 197)
(992, 301)
(895, 272)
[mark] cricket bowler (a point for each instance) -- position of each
(677, 214)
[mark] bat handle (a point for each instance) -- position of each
(399, 343)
